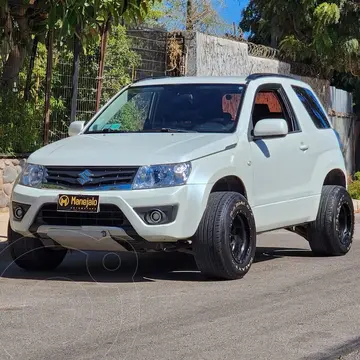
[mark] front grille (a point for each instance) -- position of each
(107, 178)
(109, 215)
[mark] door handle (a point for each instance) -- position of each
(304, 147)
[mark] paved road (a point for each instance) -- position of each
(291, 305)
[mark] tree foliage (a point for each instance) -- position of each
(21, 120)
(119, 61)
(174, 15)
(324, 33)
(20, 20)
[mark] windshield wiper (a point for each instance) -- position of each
(170, 130)
(107, 130)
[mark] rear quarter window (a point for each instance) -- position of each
(313, 107)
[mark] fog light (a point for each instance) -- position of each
(19, 210)
(157, 215)
(154, 216)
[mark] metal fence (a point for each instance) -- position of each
(150, 45)
(344, 121)
(61, 94)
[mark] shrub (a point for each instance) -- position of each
(20, 124)
(354, 186)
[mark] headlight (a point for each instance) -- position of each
(32, 175)
(157, 176)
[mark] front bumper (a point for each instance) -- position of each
(191, 201)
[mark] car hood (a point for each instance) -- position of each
(131, 149)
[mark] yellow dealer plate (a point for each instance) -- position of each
(78, 203)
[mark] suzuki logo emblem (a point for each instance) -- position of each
(85, 177)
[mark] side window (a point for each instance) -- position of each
(270, 105)
(312, 107)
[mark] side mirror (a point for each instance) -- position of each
(76, 127)
(271, 128)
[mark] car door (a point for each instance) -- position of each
(280, 172)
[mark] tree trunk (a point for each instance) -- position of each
(189, 15)
(37, 87)
(103, 44)
(17, 54)
(12, 66)
(274, 34)
(31, 69)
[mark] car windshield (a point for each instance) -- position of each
(172, 108)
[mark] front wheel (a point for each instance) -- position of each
(331, 234)
(225, 241)
(31, 254)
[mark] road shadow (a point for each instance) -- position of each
(106, 267)
(270, 253)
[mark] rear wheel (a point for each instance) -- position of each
(331, 234)
(225, 242)
(31, 254)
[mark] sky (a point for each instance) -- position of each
(231, 10)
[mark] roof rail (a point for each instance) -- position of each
(256, 76)
(150, 78)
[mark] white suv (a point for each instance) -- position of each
(197, 164)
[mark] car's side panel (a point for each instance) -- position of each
(285, 214)
(284, 188)
(282, 182)
(233, 162)
(324, 149)
(281, 177)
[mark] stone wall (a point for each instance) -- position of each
(9, 170)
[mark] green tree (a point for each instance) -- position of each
(324, 33)
(21, 121)
(197, 15)
(119, 60)
(20, 20)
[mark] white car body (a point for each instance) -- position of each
(281, 177)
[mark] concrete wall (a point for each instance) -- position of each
(215, 56)
(321, 88)
(262, 65)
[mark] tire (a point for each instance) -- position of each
(218, 253)
(331, 234)
(30, 253)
